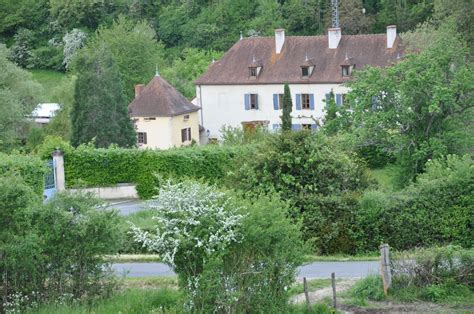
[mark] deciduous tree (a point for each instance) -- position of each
(18, 98)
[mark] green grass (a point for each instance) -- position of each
(386, 177)
(371, 289)
(313, 285)
(49, 80)
(148, 258)
(314, 309)
(142, 219)
(340, 258)
(170, 282)
(128, 301)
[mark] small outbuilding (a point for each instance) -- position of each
(162, 116)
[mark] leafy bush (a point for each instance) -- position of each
(231, 255)
(48, 57)
(256, 273)
(50, 144)
(30, 168)
(369, 288)
(102, 167)
(432, 266)
(319, 179)
(75, 234)
(53, 251)
(436, 210)
(441, 274)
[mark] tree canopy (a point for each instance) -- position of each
(18, 98)
(99, 111)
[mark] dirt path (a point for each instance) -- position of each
(318, 295)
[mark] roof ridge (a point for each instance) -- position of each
(320, 35)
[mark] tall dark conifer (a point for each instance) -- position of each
(287, 107)
(100, 110)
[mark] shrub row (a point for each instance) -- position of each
(436, 210)
(30, 168)
(88, 166)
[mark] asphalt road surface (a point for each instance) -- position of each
(311, 271)
(127, 206)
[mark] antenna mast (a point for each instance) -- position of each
(334, 13)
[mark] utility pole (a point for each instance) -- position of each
(334, 13)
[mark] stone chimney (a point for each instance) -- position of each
(138, 89)
(279, 39)
(334, 37)
(391, 35)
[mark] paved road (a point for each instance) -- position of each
(127, 207)
(313, 270)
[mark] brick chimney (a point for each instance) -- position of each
(138, 89)
(279, 39)
(391, 35)
(334, 37)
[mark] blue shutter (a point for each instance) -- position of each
(247, 101)
(338, 99)
(328, 99)
(311, 101)
(298, 101)
(276, 126)
(314, 127)
(296, 127)
(275, 102)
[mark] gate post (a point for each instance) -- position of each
(58, 164)
(385, 267)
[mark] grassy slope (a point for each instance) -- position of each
(49, 80)
(368, 293)
(386, 177)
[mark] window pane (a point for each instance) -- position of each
(280, 101)
(304, 71)
(183, 135)
(253, 101)
(305, 101)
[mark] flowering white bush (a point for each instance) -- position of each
(73, 41)
(231, 255)
(193, 221)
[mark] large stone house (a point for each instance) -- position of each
(245, 87)
(162, 116)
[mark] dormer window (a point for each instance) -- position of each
(255, 67)
(346, 70)
(305, 71)
(307, 67)
(253, 72)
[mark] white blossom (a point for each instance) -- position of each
(190, 216)
(73, 41)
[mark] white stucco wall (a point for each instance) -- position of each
(165, 132)
(158, 132)
(179, 123)
(224, 104)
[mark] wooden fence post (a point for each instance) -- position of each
(385, 267)
(333, 283)
(306, 295)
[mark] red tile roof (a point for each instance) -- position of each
(159, 99)
(286, 67)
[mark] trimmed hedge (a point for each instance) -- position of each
(436, 210)
(88, 166)
(31, 169)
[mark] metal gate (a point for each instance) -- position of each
(49, 181)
